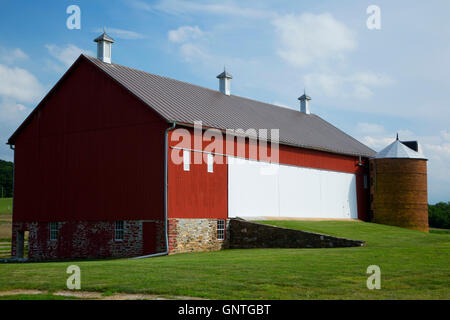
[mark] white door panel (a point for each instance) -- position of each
(289, 191)
(251, 193)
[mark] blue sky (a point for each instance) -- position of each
(369, 83)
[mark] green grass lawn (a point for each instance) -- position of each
(5, 219)
(5, 206)
(441, 231)
(414, 265)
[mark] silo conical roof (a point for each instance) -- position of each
(398, 150)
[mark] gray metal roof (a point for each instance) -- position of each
(398, 150)
(182, 102)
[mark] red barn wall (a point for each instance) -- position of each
(91, 152)
(199, 194)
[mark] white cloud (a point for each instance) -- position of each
(184, 33)
(316, 42)
(67, 54)
(122, 34)
(10, 56)
(368, 78)
(19, 84)
(357, 85)
(191, 52)
(178, 7)
(369, 128)
(11, 115)
(377, 143)
(445, 135)
(140, 5)
(309, 38)
(189, 39)
(12, 112)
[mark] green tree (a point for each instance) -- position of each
(439, 215)
(6, 179)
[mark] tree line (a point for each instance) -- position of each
(439, 215)
(6, 179)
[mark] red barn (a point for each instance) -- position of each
(111, 163)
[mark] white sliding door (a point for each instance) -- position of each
(289, 191)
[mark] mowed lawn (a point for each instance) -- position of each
(414, 265)
(5, 227)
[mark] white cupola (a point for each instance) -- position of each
(304, 103)
(104, 43)
(225, 82)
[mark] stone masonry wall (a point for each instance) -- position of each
(245, 234)
(82, 239)
(189, 235)
(95, 239)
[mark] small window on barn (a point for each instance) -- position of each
(186, 160)
(54, 230)
(220, 229)
(210, 163)
(365, 182)
(118, 231)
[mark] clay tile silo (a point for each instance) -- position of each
(399, 186)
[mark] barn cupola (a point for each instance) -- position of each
(104, 44)
(304, 103)
(225, 82)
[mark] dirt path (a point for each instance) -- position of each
(97, 295)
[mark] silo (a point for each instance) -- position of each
(398, 188)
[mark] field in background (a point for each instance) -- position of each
(414, 265)
(5, 227)
(5, 206)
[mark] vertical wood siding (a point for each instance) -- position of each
(92, 152)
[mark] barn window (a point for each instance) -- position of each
(53, 230)
(118, 231)
(210, 163)
(186, 160)
(220, 229)
(365, 182)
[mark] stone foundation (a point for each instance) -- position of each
(85, 240)
(245, 234)
(189, 235)
(95, 239)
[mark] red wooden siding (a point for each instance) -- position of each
(197, 193)
(92, 152)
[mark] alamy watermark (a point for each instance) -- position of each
(374, 20)
(228, 146)
(74, 20)
(374, 280)
(74, 280)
